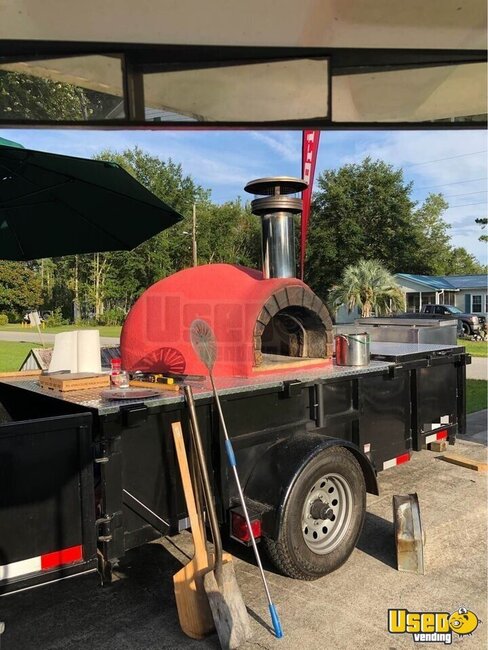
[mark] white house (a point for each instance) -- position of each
(468, 292)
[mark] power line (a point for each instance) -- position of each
(466, 194)
(461, 155)
(461, 205)
(469, 180)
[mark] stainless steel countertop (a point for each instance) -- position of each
(233, 385)
(91, 399)
(399, 349)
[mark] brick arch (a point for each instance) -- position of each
(292, 296)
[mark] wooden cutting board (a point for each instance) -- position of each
(70, 381)
(19, 374)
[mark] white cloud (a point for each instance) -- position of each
(454, 156)
(286, 144)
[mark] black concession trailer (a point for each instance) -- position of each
(84, 480)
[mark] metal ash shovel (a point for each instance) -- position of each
(224, 596)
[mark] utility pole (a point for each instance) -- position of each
(194, 235)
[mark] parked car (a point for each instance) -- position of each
(468, 324)
(471, 323)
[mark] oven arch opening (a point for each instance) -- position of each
(295, 331)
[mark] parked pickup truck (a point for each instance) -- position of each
(471, 323)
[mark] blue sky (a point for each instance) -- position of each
(451, 162)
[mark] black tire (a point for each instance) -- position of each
(290, 553)
(466, 329)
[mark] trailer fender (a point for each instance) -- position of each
(274, 475)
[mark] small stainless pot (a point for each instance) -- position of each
(352, 349)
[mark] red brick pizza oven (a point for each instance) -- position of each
(254, 319)
(262, 323)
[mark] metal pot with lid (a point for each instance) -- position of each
(352, 349)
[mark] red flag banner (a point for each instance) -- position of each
(310, 147)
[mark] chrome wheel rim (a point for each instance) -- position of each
(333, 495)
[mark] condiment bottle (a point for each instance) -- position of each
(118, 378)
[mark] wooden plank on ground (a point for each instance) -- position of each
(462, 461)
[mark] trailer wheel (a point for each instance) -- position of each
(323, 517)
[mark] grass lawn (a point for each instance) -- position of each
(475, 348)
(105, 330)
(476, 395)
(12, 354)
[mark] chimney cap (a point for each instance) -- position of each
(276, 185)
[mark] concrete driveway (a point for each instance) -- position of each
(478, 368)
(346, 610)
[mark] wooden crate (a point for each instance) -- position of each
(69, 381)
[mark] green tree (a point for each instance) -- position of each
(365, 211)
(228, 233)
(117, 279)
(225, 233)
(164, 178)
(369, 286)
(483, 222)
(20, 287)
(30, 97)
(360, 211)
(460, 262)
(433, 250)
(27, 97)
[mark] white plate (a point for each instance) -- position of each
(129, 393)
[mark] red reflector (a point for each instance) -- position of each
(442, 435)
(57, 558)
(241, 531)
(402, 459)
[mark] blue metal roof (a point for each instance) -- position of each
(448, 282)
(436, 282)
(468, 281)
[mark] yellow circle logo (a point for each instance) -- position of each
(463, 621)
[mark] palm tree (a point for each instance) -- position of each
(369, 286)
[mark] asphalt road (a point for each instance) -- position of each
(346, 610)
(32, 336)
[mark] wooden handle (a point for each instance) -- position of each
(153, 385)
(197, 532)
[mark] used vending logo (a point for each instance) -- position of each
(432, 627)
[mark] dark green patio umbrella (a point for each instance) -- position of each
(53, 205)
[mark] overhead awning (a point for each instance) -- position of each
(398, 24)
(292, 63)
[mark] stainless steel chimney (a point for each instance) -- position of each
(276, 210)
